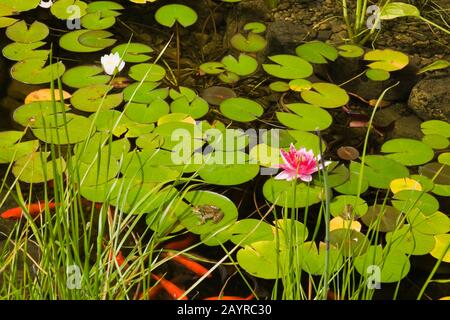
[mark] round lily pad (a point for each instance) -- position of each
(144, 113)
(255, 27)
(354, 184)
(184, 92)
(300, 85)
(288, 67)
(408, 151)
(387, 60)
(279, 86)
(227, 140)
(261, 259)
(96, 39)
(35, 168)
(383, 218)
(348, 207)
(83, 76)
(436, 141)
(408, 200)
(196, 109)
(212, 67)
(147, 72)
(350, 243)
(317, 52)
(95, 21)
(144, 92)
(241, 109)
(350, 51)
(306, 140)
(307, 117)
(20, 32)
(436, 127)
(68, 9)
(32, 71)
(441, 249)
(133, 52)
(380, 171)
(410, 241)
(21, 51)
(95, 97)
(283, 193)
(244, 65)
(70, 42)
(229, 77)
(378, 75)
(313, 258)
(326, 95)
(169, 14)
(27, 114)
(436, 223)
(252, 43)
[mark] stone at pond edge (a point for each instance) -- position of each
(430, 98)
(284, 36)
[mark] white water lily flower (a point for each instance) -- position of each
(46, 4)
(112, 61)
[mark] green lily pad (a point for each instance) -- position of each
(62, 129)
(387, 60)
(227, 140)
(408, 151)
(147, 72)
(27, 114)
(326, 95)
(291, 233)
(70, 42)
(279, 86)
(306, 140)
(241, 109)
(410, 241)
(436, 127)
(7, 21)
(266, 155)
(313, 258)
(68, 9)
(133, 52)
(444, 158)
(283, 194)
(436, 65)
(184, 92)
(350, 51)
(32, 71)
(393, 265)
(377, 74)
(317, 52)
(106, 7)
(300, 85)
(288, 67)
(169, 14)
(307, 117)
(383, 218)
(435, 223)
(83, 76)
(196, 109)
(19, 5)
(337, 175)
(14, 151)
(133, 196)
(252, 43)
(436, 141)
(350, 243)
(247, 231)
(216, 204)
(348, 207)
(352, 185)
(229, 77)
(150, 141)
(97, 39)
(35, 168)
(398, 9)
(10, 137)
(441, 249)
(437, 171)
(243, 66)
(212, 67)
(96, 21)
(179, 135)
(113, 121)
(95, 97)
(144, 113)
(261, 259)
(144, 92)
(409, 200)
(21, 51)
(255, 27)
(19, 32)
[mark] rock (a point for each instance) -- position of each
(407, 127)
(284, 37)
(430, 98)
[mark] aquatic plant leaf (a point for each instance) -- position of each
(60, 129)
(212, 67)
(144, 113)
(288, 67)
(401, 184)
(12, 152)
(410, 241)
(95, 97)
(34, 168)
(308, 140)
(266, 155)
(383, 218)
(380, 171)
(317, 52)
(196, 109)
(255, 27)
(352, 185)
(337, 175)
(10, 137)
(180, 135)
(313, 258)
(133, 196)
(244, 65)
(96, 39)
(7, 21)
(103, 169)
(20, 32)
(241, 109)
(84, 76)
(394, 265)
(228, 168)
(394, 10)
(20, 5)
(436, 65)
(408, 151)
(300, 85)
(436, 127)
(96, 21)
(387, 60)
(222, 213)
(185, 92)
(441, 249)
(279, 86)
(436, 223)
(410, 200)
(326, 95)
(247, 231)
(282, 193)
(260, 259)
(144, 92)
(32, 71)
(377, 74)
(21, 51)
(69, 9)
(169, 14)
(350, 51)
(307, 117)
(133, 52)
(150, 141)
(444, 158)
(147, 72)
(104, 6)
(436, 141)
(27, 114)
(252, 43)
(70, 42)
(227, 140)
(350, 243)
(348, 207)
(229, 77)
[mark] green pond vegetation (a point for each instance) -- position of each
(104, 158)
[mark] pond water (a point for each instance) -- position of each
(221, 147)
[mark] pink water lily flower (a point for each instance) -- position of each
(298, 164)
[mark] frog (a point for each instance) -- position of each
(207, 213)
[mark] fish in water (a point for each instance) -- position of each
(33, 209)
(208, 212)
